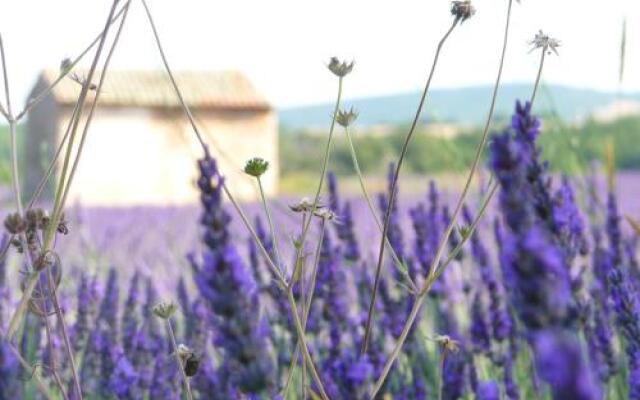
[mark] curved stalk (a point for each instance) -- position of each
(305, 347)
(537, 83)
(434, 271)
(323, 172)
(423, 293)
(305, 316)
(270, 221)
(394, 183)
(174, 344)
(18, 315)
(356, 165)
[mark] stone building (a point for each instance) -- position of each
(140, 149)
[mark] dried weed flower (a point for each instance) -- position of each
(462, 10)
(256, 167)
(15, 224)
(305, 205)
(545, 42)
(165, 309)
(325, 214)
(345, 118)
(340, 68)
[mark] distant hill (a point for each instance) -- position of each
(467, 105)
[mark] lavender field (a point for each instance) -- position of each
(515, 279)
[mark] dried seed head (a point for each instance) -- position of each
(345, 118)
(190, 360)
(325, 214)
(36, 218)
(464, 231)
(448, 344)
(165, 309)
(256, 167)
(462, 10)
(45, 260)
(65, 66)
(305, 205)
(339, 69)
(15, 224)
(62, 225)
(545, 42)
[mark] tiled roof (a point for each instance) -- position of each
(201, 89)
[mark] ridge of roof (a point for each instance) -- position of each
(152, 88)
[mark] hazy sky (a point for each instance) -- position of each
(283, 45)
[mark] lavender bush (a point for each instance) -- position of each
(542, 303)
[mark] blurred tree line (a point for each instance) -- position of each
(567, 148)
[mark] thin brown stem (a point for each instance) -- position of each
(93, 108)
(394, 183)
(305, 348)
(65, 334)
(323, 172)
(538, 76)
(42, 388)
(307, 309)
(176, 88)
(53, 365)
(434, 271)
(21, 310)
(174, 344)
(356, 165)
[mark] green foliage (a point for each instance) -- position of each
(567, 148)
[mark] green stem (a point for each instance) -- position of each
(305, 316)
(305, 347)
(174, 344)
(356, 165)
(434, 271)
(539, 75)
(270, 221)
(394, 183)
(325, 162)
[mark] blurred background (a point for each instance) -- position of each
(276, 53)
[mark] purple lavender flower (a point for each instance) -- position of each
(568, 219)
(344, 226)
(453, 378)
(9, 382)
(230, 292)
(537, 279)
(332, 188)
(560, 363)
(166, 376)
(511, 389)
(479, 331)
(124, 379)
(534, 267)
(130, 319)
(394, 232)
(102, 348)
(488, 390)
(498, 315)
(454, 238)
(87, 297)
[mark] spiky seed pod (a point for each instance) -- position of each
(165, 309)
(15, 224)
(340, 68)
(305, 205)
(345, 118)
(462, 10)
(545, 42)
(256, 167)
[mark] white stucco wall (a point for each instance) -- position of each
(142, 156)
